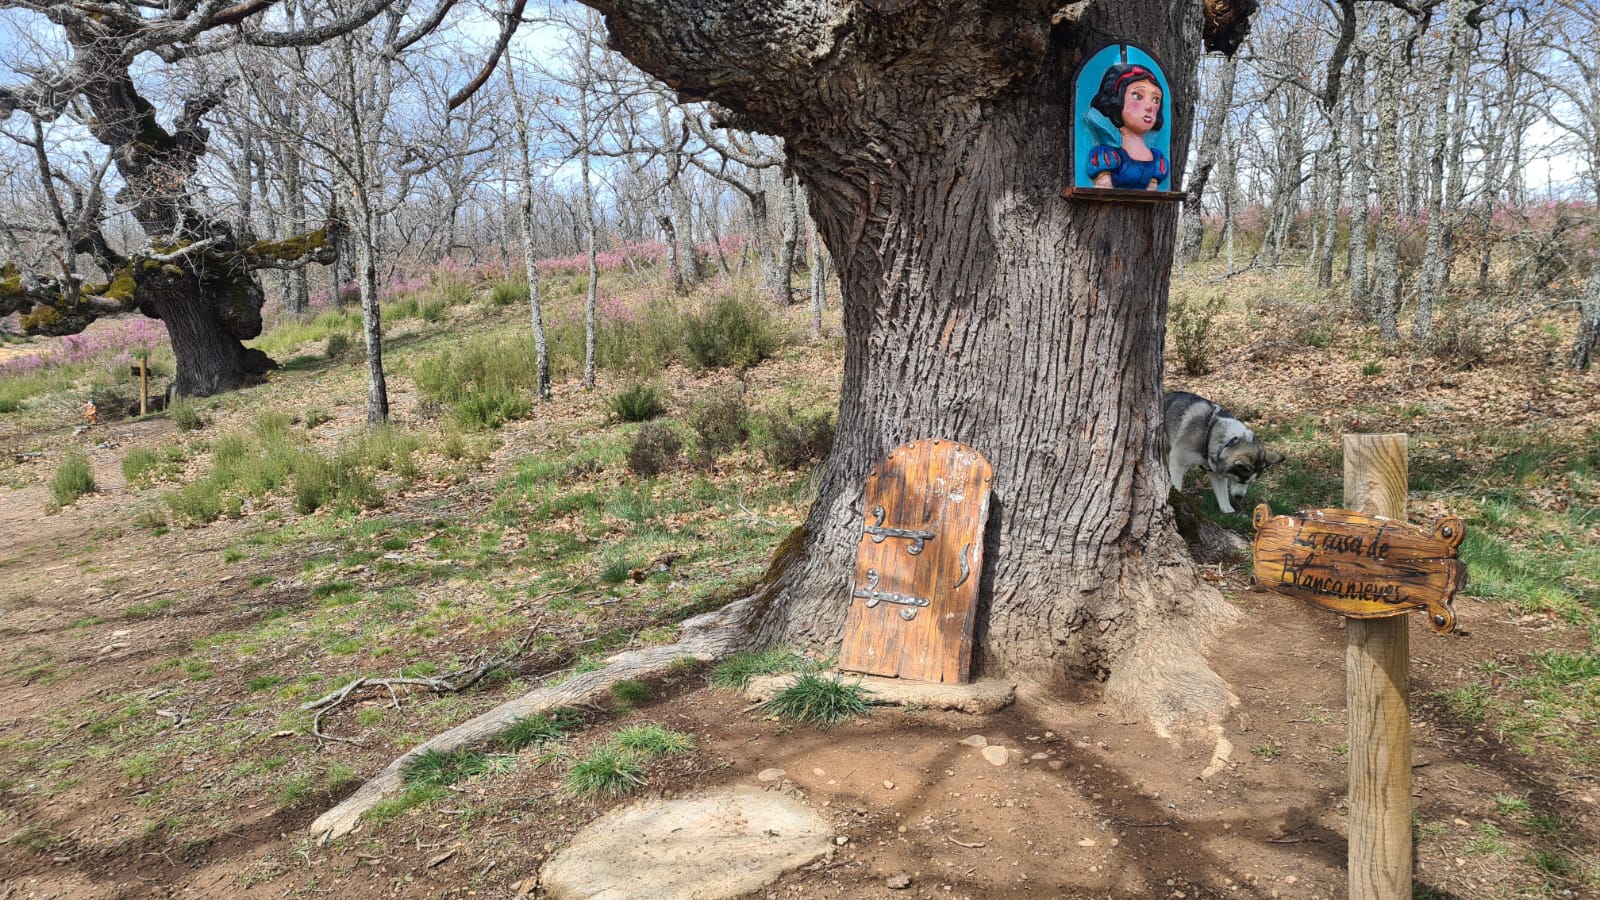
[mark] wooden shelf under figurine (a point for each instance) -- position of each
(1124, 195)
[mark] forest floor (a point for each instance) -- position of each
(152, 740)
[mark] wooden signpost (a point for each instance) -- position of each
(142, 369)
(1367, 564)
(913, 605)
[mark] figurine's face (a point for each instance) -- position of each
(1140, 107)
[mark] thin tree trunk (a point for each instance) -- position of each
(371, 319)
(541, 351)
(1192, 229)
(1583, 347)
(1360, 200)
(819, 278)
(1433, 256)
(1386, 249)
(591, 299)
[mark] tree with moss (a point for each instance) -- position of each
(195, 271)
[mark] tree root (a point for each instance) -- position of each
(705, 638)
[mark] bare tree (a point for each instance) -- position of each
(525, 186)
(1573, 84)
(194, 272)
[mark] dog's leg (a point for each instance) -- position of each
(1176, 471)
(1219, 487)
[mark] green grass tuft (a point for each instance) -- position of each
(441, 768)
(630, 693)
(606, 772)
(814, 700)
(541, 728)
(736, 671)
(651, 741)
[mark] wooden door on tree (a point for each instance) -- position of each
(914, 602)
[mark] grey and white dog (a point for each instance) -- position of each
(1201, 433)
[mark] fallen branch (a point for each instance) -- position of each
(707, 638)
(449, 683)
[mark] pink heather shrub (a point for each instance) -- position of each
(106, 340)
(729, 244)
(626, 256)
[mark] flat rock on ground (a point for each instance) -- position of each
(986, 695)
(721, 844)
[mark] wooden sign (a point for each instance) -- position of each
(1361, 566)
(1121, 128)
(914, 601)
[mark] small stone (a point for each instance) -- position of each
(124, 632)
(1086, 842)
(773, 774)
(998, 756)
(1115, 842)
(1054, 764)
(898, 882)
(976, 740)
(901, 829)
(1040, 756)
(888, 785)
(1463, 823)
(818, 772)
(841, 840)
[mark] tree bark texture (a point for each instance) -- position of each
(978, 306)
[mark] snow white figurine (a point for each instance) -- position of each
(1127, 107)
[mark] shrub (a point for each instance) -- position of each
(639, 401)
(508, 293)
(655, 450)
(491, 408)
(794, 440)
(338, 345)
(720, 423)
(487, 380)
(1190, 322)
(643, 344)
(73, 478)
(1462, 338)
(433, 309)
(199, 503)
(140, 462)
(406, 308)
(734, 333)
(185, 414)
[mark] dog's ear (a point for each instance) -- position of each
(1274, 457)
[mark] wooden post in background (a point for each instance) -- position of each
(1378, 694)
(144, 387)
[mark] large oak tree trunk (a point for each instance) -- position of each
(210, 359)
(981, 306)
